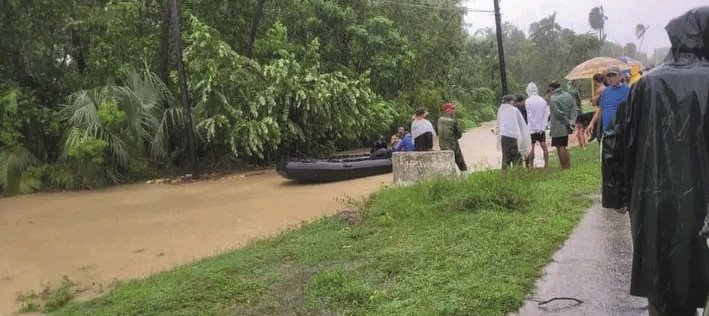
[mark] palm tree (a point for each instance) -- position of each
(640, 31)
(128, 119)
(597, 20)
(545, 32)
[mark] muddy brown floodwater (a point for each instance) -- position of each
(131, 231)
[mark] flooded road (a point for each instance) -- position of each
(130, 231)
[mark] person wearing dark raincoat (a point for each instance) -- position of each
(705, 234)
(656, 166)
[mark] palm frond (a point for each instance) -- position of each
(81, 109)
(141, 99)
(117, 148)
(14, 161)
(131, 103)
(61, 177)
(76, 135)
(155, 82)
(172, 120)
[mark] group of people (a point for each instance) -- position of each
(422, 134)
(420, 138)
(521, 124)
(654, 136)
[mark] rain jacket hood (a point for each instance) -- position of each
(656, 162)
(532, 89)
(689, 33)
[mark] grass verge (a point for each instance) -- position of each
(470, 246)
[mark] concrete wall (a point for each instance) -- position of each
(410, 167)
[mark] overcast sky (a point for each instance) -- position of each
(623, 16)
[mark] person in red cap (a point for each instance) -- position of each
(449, 132)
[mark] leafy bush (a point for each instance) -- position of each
(112, 129)
(258, 110)
(20, 116)
(14, 161)
(55, 176)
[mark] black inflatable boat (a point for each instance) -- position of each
(333, 169)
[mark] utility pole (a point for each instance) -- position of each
(500, 48)
(174, 9)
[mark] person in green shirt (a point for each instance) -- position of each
(580, 123)
(449, 132)
(563, 112)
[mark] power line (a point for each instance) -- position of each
(432, 7)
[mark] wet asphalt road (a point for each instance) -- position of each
(593, 266)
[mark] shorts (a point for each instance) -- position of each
(562, 141)
(584, 118)
(539, 137)
(423, 142)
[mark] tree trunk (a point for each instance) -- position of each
(76, 50)
(175, 21)
(255, 20)
(164, 53)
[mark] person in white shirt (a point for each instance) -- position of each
(537, 117)
(422, 131)
(512, 134)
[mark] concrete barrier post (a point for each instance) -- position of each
(410, 167)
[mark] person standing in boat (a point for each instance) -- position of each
(422, 131)
(449, 133)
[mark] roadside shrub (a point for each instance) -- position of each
(487, 191)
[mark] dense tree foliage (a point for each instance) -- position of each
(87, 87)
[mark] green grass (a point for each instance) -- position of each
(470, 246)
